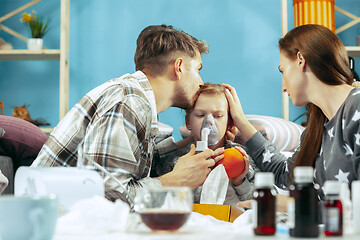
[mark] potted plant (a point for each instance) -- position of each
(38, 27)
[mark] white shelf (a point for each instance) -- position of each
(26, 55)
(353, 51)
(46, 130)
(61, 55)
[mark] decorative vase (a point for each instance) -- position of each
(35, 43)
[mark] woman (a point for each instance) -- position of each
(315, 70)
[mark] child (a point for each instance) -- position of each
(211, 100)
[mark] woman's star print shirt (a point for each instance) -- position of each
(339, 156)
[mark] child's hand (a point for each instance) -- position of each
(240, 179)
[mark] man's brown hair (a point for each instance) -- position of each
(157, 45)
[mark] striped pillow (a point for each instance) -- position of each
(285, 135)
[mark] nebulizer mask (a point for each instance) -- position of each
(209, 133)
(215, 187)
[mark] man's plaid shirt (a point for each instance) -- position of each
(118, 123)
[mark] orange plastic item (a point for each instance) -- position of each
(1, 108)
(233, 162)
(315, 12)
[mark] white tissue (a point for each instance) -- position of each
(215, 186)
(244, 224)
(198, 222)
(96, 215)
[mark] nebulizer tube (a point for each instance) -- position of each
(80, 164)
(209, 134)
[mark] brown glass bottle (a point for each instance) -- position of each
(264, 205)
(306, 206)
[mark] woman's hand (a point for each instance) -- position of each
(245, 204)
(236, 181)
(236, 110)
(246, 129)
(231, 133)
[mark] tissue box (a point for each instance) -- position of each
(221, 212)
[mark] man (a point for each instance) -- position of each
(118, 120)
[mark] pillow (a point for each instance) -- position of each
(22, 140)
(285, 135)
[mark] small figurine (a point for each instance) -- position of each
(23, 113)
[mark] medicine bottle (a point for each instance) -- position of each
(347, 208)
(264, 204)
(305, 218)
(333, 210)
(355, 196)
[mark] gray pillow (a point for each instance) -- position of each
(2, 132)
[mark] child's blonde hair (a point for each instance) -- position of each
(209, 89)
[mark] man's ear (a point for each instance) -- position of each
(301, 61)
(178, 67)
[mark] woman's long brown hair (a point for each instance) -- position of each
(327, 58)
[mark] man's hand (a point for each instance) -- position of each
(192, 169)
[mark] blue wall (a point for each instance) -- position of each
(242, 35)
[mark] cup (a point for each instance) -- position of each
(164, 209)
(32, 218)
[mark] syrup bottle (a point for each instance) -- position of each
(304, 220)
(333, 210)
(264, 204)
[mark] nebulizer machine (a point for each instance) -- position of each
(69, 184)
